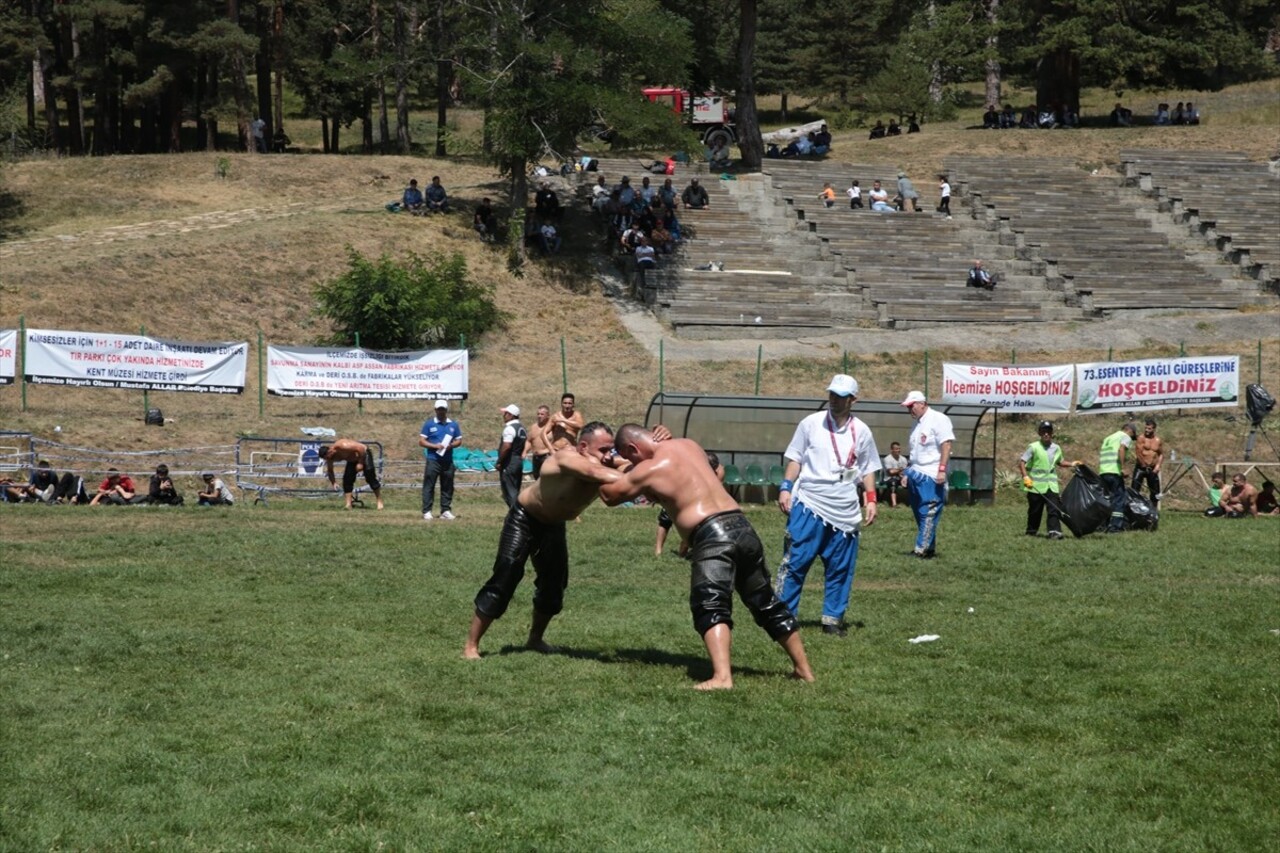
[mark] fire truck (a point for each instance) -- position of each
(707, 114)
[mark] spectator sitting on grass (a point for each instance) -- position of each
(1266, 500)
(1008, 117)
(822, 141)
(1121, 116)
(1162, 114)
(546, 203)
(877, 131)
(894, 128)
(412, 198)
(162, 490)
(485, 221)
(215, 492)
(991, 118)
(437, 198)
(549, 239)
(116, 489)
(1191, 115)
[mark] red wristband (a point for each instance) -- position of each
(871, 497)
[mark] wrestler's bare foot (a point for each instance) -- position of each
(541, 646)
(805, 675)
(381, 505)
(715, 684)
(470, 652)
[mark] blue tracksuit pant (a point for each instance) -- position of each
(808, 538)
(927, 500)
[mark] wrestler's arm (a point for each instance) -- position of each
(584, 468)
(627, 486)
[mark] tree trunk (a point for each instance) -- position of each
(784, 108)
(444, 69)
(335, 128)
(1058, 80)
(69, 53)
(277, 35)
(240, 86)
(103, 135)
(750, 144)
(52, 121)
(519, 209)
(262, 68)
(366, 121)
(324, 133)
(401, 37)
(211, 123)
(993, 54)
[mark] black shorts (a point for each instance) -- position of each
(370, 473)
(726, 554)
(525, 537)
(664, 520)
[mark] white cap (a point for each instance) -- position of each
(442, 404)
(844, 385)
(914, 397)
(512, 410)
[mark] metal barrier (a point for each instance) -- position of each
(291, 467)
(16, 451)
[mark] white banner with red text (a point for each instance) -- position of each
(8, 355)
(361, 374)
(136, 362)
(1188, 382)
(1009, 387)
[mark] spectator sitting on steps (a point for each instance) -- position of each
(546, 204)
(979, 277)
(695, 196)
(828, 195)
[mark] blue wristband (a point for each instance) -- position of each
(785, 486)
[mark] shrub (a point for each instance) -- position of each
(420, 303)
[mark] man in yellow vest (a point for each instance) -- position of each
(1039, 465)
(1110, 469)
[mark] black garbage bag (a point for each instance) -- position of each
(1140, 514)
(1085, 505)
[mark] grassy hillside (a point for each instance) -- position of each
(165, 243)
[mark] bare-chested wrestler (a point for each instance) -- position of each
(566, 424)
(723, 547)
(359, 457)
(1148, 457)
(570, 480)
(539, 444)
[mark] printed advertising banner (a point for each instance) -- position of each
(1009, 387)
(362, 374)
(105, 360)
(1159, 383)
(8, 355)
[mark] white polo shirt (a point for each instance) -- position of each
(931, 432)
(823, 453)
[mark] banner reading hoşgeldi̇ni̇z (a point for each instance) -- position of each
(1159, 383)
(362, 374)
(106, 360)
(1009, 387)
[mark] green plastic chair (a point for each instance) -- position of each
(755, 475)
(959, 486)
(776, 474)
(733, 480)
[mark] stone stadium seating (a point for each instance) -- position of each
(1064, 244)
(1222, 196)
(1107, 255)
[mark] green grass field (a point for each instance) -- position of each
(289, 679)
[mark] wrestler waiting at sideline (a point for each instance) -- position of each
(569, 482)
(723, 548)
(358, 457)
(566, 424)
(1148, 451)
(538, 447)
